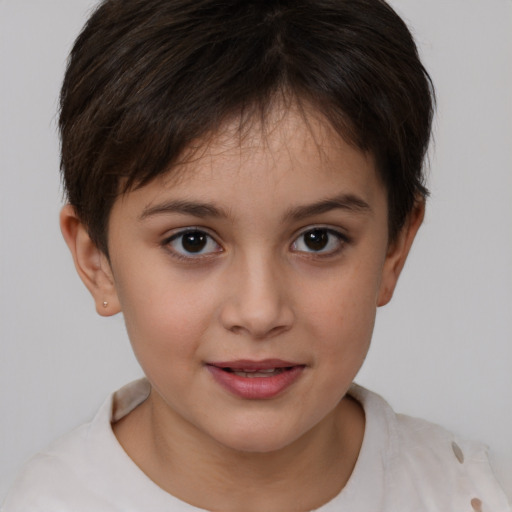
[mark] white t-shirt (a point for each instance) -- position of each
(405, 465)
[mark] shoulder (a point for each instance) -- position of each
(428, 465)
(436, 460)
(86, 469)
(52, 479)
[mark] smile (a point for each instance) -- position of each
(251, 374)
(256, 380)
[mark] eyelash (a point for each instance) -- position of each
(167, 243)
(340, 239)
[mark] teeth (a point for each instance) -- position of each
(249, 370)
(258, 373)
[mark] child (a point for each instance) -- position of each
(244, 183)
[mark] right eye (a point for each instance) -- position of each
(192, 243)
(319, 240)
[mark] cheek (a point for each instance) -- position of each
(342, 311)
(165, 317)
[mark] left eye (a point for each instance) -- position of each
(193, 243)
(319, 240)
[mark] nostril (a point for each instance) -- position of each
(235, 329)
(255, 333)
(278, 330)
(256, 308)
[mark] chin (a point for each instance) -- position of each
(266, 439)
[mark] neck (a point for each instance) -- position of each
(300, 476)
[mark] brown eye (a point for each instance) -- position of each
(319, 240)
(316, 240)
(193, 243)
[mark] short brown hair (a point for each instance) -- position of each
(145, 78)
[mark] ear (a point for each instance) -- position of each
(397, 253)
(91, 263)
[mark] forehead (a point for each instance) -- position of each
(293, 157)
(287, 137)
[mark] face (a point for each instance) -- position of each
(249, 285)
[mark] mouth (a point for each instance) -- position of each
(251, 374)
(256, 379)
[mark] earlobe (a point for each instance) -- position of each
(90, 262)
(398, 252)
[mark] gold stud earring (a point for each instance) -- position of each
(105, 304)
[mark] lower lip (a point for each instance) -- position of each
(256, 388)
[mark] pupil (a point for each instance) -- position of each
(194, 242)
(316, 240)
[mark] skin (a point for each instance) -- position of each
(256, 291)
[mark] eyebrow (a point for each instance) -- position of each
(193, 208)
(348, 202)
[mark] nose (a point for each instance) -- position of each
(258, 304)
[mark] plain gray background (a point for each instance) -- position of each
(442, 350)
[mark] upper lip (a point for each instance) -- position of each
(249, 364)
